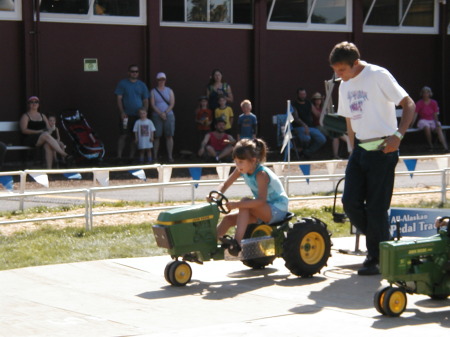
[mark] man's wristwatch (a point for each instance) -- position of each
(398, 134)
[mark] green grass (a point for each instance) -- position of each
(48, 245)
(72, 244)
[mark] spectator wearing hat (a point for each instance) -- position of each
(34, 125)
(311, 139)
(162, 101)
(203, 118)
(217, 145)
(132, 95)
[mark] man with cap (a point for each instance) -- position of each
(162, 101)
(132, 95)
(217, 144)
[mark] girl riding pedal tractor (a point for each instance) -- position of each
(269, 203)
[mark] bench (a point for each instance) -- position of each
(13, 127)
(399, 113)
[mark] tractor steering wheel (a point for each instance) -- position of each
(218, 198)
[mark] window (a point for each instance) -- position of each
(131, 12)
(401, 16)
(10, 10)
(206, 13)
(332, 15)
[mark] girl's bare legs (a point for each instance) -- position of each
(169, 146)
(335, 146)
(156, 147)
(441, 137)
(49, 155)
(46, 138)
(427, 131)
(242, 219)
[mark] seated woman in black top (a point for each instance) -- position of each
(34, 126)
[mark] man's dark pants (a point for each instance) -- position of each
(369, 183)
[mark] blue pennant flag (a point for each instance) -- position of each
(410, 165)
(7, 182)
(306, 169)
(139, 174)
(73, 175)
(196, 173)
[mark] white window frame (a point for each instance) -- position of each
(404, 29)
(91, 18)
(196, 24)
(15, 15)
(308, 25)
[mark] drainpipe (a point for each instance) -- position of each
(30, 14)
(443, 22)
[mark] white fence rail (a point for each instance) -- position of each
(290, 181)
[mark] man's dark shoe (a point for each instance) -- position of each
(370, 261)
(369, 270)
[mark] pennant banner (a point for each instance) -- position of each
(223, 171)
(102, 177)
(40, 178)
(72, 175)
(7, 182)
(278, 169)
(442, 163)
(196, 173)
(139, 174)
(306, 169)
(331, 167)
(410, 165)
(167, 174)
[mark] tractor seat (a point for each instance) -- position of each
(288, 217)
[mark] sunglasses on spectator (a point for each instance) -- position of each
(33, 102)
(134, 71)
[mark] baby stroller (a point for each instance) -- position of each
(85, 140)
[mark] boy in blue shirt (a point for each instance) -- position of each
(247, 122)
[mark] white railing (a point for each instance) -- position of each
(289, 181)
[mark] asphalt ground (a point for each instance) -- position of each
(130, 297)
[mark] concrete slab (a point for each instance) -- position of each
(129, 297)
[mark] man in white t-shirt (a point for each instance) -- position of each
(368, 95)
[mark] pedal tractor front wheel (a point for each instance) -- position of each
(178, 273)
(394, 301)
(253, 231)
(307, 247)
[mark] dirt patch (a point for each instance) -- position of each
(151, 216)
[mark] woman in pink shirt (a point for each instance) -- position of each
(427, 110)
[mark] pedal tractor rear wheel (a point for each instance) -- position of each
(378, 299)
(253, 231)
(178, 273)
(394, 302)
(307, 247)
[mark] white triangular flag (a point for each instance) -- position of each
(102, 177)
(40, 178)
(223, 171)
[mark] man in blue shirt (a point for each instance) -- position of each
(132, 94)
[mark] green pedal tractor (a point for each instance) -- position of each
(420, 266)
(189, 234)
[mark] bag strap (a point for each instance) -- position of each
(165, 100)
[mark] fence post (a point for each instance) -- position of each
(23, 180)
(444, 186)
(88, 209)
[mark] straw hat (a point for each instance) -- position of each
(317, 95)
